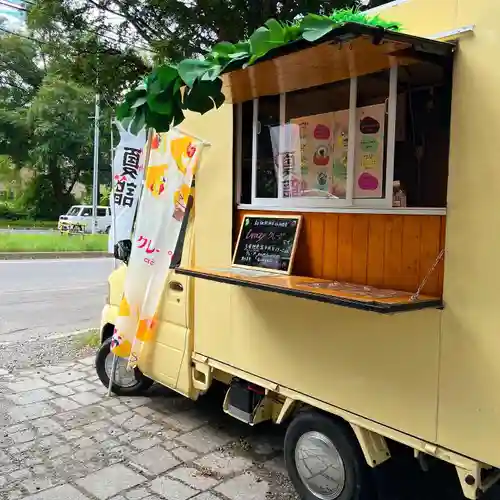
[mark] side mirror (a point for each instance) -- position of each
(122, 250)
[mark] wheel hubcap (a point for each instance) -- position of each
(123, 377)
(320, 465)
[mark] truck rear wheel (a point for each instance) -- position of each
(324, 461)
(125, 382)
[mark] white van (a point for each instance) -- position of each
(82, 214)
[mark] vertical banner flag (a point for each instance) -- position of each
(128, 173)
(285, 141)
(173, 161)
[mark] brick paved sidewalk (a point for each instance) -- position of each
(62, 438)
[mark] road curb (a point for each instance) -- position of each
(52, 255)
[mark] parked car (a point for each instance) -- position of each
(80, 216)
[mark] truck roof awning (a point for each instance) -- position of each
(347, 51)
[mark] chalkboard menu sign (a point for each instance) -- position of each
(267, 242)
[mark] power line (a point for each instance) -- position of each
(125, 40)
(13, 6)
(48, 43)
(103, 35)
(43, 42)
(23, 36)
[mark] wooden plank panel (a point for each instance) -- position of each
(313, 66)
(301, 264)
(376, 254)
(377, 250)
(429, 250)
(410, 258)
(316, 226)
(344, 260)
(393, 251)
(360, 248)
(330, 246)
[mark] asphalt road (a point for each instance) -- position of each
(42, 299)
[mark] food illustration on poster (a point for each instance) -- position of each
(318, 154)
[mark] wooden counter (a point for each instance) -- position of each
(379, 250)
(332, 292)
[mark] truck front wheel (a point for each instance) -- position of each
(324, 460)
(125, 382)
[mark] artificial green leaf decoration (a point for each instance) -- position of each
(158, 103)
(203, 96)
(123, 111)
(218, 99)
(132, 96)
(139, 121)
(161, 123)
(161, 103)
(315, 27)
(178, 116)
(176, 87)
(139, 102)
(259, 42)
(126, 122)
(276, 31)
(212, 73)
(224, 49)
(197, 100)
(241, 49)
(161, 78)
(192, 69)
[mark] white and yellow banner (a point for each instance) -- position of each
(128, 173)
(173, 161)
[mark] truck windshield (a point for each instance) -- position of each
(74, 211)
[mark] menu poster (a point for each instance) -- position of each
(368, 171)
(312, 153)
(316, 153)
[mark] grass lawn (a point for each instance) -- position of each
(26, 224)
(24, 242)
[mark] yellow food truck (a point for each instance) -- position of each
(338, 268)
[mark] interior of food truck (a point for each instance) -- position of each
(421, 142)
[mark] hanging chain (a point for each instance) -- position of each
(427, 276)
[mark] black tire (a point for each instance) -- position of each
(143, 382)
(357, 483)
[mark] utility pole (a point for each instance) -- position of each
(95, 174)
(95, 177)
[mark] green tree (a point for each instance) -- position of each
(46, 124)
(61, 133)
(20, 79)
(174, 29)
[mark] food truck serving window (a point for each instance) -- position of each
(351, 134)
(377, 141)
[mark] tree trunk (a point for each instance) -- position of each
(54, 175)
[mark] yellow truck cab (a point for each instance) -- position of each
(386, 328)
